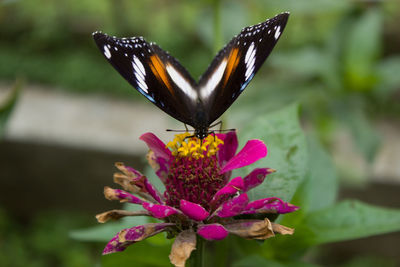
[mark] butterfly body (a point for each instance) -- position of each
(167, 84)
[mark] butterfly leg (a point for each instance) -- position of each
(217, 123)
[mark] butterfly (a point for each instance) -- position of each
(167, 84)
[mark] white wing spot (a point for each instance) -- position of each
(181, 82)
(250, 60)
(140, 73)
(278, 32)
(107, 52)
(249, 52)
(214, 80)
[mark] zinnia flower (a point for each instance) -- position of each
(199, 196)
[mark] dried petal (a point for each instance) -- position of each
(128, 171)
(118, 214)
(125, 182)
(159, 165)
(156, 145)
(121, 195)
(283, 230)
(269, 205)
(250, 153)
(132, 235)
(193, 211)
(183, 246)
(233, 206)
(256, 177)
(159, 211)
(212, 231)
(252, 229)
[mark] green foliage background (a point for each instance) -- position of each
(339, 59)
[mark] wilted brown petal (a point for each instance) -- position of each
(118, 214)
(252, 229)
(125, 182)
(283, 230)
(127, 171)
(183, 246)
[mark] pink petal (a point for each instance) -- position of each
(228, 191)
(212, 231)
(159, 211)
(233, 206)
(228, 149)
(134, 173)
(269, 205)
(153, 191)
(250, 153)
(157, 146)
(132, 235)
(193, 211)
(255, 178)
(123, 196)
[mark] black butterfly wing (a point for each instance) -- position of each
(236, 64)
(153, 72)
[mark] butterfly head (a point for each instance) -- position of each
(201, 133)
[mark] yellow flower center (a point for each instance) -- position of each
(185, 146)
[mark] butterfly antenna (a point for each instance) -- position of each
(225, 130)
(179, 131)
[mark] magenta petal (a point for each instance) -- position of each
(255, 178)
(163, 168)
(250, 153)
(159, 211)
(212, 231)
(134, 173)
(228, 190)
(132, 235)
(115, 246)
(153, 191)
(122, 195)
(233, 207)
(157, 146)
(228, 149)
(269, 205)
(193, 211)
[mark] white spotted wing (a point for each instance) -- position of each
(165, 82)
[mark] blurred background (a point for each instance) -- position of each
(66, 115)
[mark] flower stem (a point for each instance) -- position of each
(198, 259)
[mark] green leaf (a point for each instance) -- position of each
(256, 261)
(351, 219)
(287, 152)
(7, 106)
(104, 232)
(143, 253)
(320, 188)
(362, 50)
(365, 136)
(389, 78)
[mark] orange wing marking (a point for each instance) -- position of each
(158, 68)
(233, 61)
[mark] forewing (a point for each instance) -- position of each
(152, 72)
(235, 65)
